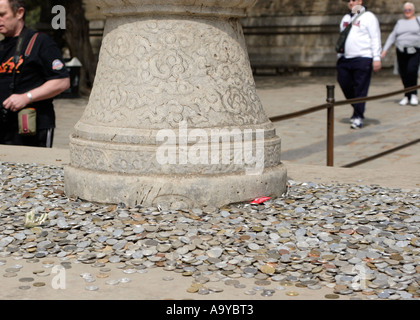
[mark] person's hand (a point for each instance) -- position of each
(16, 102)
(377, 65)
(383, 54)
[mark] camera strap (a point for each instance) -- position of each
(18, 53)
(16, 56)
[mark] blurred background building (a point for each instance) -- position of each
(292, 36)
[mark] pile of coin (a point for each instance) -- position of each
(355, 239)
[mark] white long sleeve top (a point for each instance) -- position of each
(364, 39)
(406, 33)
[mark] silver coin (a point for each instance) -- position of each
(24, 287)
(249, 270)
(129, 271)
(92, 288)
(112, 282)
(10, 275)
(267, 293)
(250, 292)
(253, 246)
(203, 291)
(232, 282)
(314, 286)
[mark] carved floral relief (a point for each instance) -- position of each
(160, 71)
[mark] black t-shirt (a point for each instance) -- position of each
(44, 63)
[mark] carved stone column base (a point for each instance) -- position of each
(174, 117)
(175, 192)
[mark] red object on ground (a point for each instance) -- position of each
(260, 200)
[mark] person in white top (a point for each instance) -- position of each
(362, 55)
(406, 37)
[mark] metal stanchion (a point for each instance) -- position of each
(330, 125)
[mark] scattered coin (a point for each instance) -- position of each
(39, 271)
(262, 282)
(267, 269)
(250, 292)
(92, 288)
(10, 275)
(24, 287)
(38, 284)
(192, 289)
(112, 282)
(332, 296)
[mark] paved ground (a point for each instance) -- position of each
(304, 153)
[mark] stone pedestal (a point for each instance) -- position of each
(174, 118)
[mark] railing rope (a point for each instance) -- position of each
(330, 105)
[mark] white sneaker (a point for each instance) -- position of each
(414, 101)
(357, 123)
(404, 101)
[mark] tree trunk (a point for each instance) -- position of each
(76, 36)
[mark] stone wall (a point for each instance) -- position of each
(290, 36)
(294, 36)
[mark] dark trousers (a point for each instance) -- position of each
(408, 68)
(43, 138)
(354, 76)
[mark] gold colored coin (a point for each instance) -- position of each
(197, 285)
(38, 271)
(328, 257)
(267, 269)
(192, 289)
(292, 293)
(332, 296)
(317, 269)
(38, 284)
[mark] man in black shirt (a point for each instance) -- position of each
(32, 73)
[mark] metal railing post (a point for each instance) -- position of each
(330, 105)
(330, 125)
